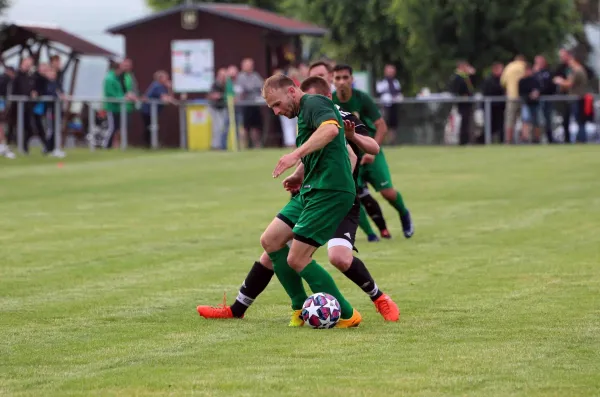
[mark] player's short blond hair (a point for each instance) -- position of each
(276, 82)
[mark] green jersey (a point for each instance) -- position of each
(328, 168)
(363, 107)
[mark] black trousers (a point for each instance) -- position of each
(466, 120)
(147, 120)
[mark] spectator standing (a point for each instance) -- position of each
(232, 74)
(119, 84)
(159, 89)
(6, 80)
(460, 85)
(529, 91)
(52, 89)
(218, 111)
(389, 92)
(24, 85)
(251, 83)
(493, 87)
(564, 107)
(303, 71)
(576, 84)
(56, 65)
(39, 110)
(547, 88)
(512, 74)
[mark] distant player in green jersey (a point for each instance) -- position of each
(369, 205)
(374, 169)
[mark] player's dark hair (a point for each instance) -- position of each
(318, 83)
(342, 67)
(277, 82)
(320, 63)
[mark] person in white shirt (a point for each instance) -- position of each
(389, 92)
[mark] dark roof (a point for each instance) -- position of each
(19, 34)
(240, 12)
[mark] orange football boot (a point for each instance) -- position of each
(387, 308)
(351, 322)
(220, 311)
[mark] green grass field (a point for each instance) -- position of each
(103, 261)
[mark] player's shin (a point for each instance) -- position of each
(395, 199)
(364, 224)
(289, 279)
(359, 275)
(255, 283)
(319, 280)
(374, 210)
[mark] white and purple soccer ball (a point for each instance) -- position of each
(321, 310)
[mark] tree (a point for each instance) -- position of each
(482, 32)
(159, 5)
(362, 33)
(4, 4)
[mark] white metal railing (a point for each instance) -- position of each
(58, 107)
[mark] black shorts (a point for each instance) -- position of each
(252, 117)
(345, 235)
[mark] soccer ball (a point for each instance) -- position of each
(321, 310)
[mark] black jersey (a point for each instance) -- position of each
(359, 129)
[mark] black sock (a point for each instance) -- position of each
(255, 283)
(360, 276)
(374, 211)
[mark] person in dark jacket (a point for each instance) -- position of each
(564, 108)
(493, 87)
(24, 85)
(461, 85)
(40, 77)
(547, 88)
(529, 91)
(52, 89)
(6, 80)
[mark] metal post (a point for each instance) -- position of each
(20, 122)
(182, 126)
(154, 125)
(91, 124)
(487, 124)
(123, 126)
(57, 125)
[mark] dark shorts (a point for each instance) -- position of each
(252, 117)
(345, 234)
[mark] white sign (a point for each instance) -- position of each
(361, 81)
(192, 65)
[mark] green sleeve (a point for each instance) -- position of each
(318, 110)
(111, 90)
(369, 108)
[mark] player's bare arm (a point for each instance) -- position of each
(319, 139)
(293, 182)
(353, 158)
(364, 143)
(382, 129)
